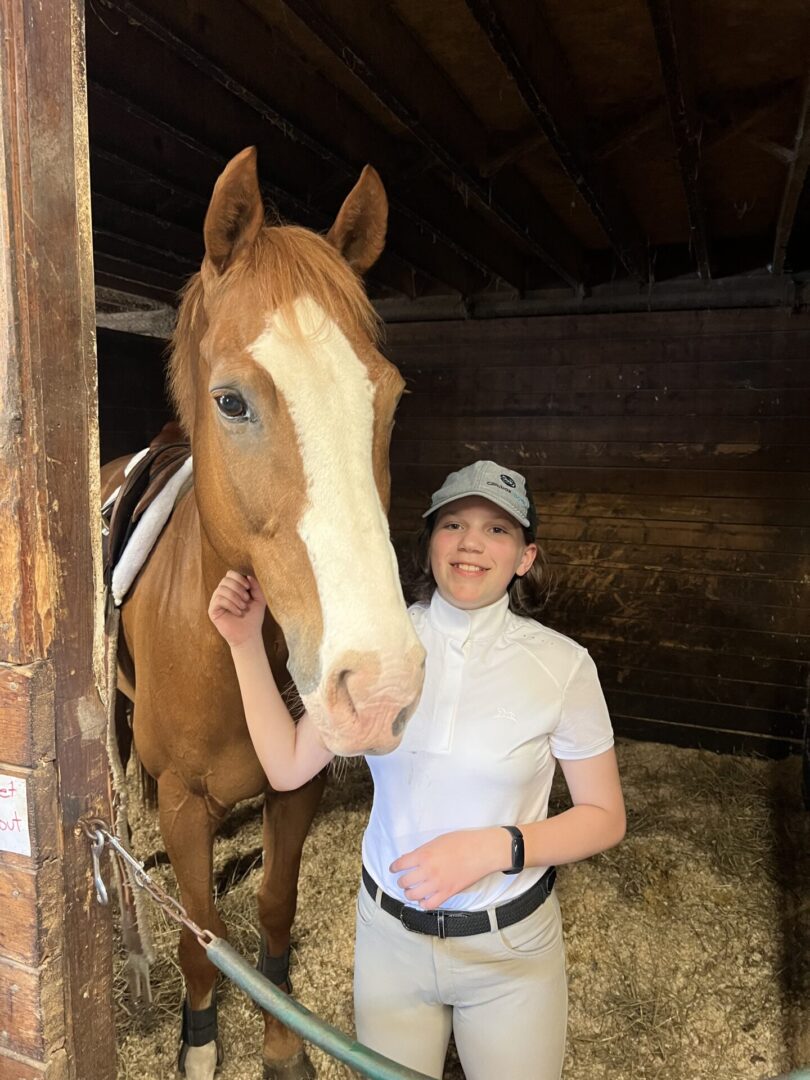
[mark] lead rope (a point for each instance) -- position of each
(135, 930)
(269, 997)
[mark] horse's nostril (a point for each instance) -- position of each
(343, 692)
(400, 721)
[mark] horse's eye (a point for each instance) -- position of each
(232, 406)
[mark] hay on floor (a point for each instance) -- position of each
(686, 944)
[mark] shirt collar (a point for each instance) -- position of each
(460, 625)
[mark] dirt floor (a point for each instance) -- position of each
(687, 945)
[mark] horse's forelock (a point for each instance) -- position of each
(286, 263)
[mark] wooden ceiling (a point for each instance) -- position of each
(526, 147)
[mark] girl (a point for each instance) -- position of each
(458, 926)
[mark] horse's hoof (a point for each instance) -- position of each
(200, 1062)
(298, 1068)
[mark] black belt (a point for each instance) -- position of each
(445, 923)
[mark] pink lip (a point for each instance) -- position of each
(467, 573)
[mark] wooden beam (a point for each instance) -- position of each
(206, 36)
(383, 55)
(794, 184)
(210, 46)
(180, 248)
(56, 967)
(523, 42)
(132, 130)
(686, 130)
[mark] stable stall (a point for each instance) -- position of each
(596, 273)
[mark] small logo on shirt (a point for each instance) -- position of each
(504, 715)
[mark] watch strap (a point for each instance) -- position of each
(518, 852)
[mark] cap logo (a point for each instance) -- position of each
(508, 480)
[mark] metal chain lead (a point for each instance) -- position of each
(97, 832)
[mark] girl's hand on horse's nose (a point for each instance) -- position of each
(237, 608)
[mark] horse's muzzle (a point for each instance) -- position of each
(367, 702)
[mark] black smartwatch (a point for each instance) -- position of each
(517, 849)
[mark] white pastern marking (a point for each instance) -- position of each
(331, 401)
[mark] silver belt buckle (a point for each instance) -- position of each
(440, 923)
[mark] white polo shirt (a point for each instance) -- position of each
(503, 697)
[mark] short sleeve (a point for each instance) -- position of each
(584, 729)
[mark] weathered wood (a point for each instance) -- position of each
(381, 52)
(663, 338)
(19, 933)
(725, 430)
(677, 531)
(591, 375)
(523, 41)
(720, 457)
(794, 184)
(50, 461)
(123, 271)
(630, 655)
(686, 132)
(749, 695)
(765, 593)
(707, 714)
(752, 565)
(754, 644)
(674, 733)
(473, 400)
(189, 126)
(597, 605)
(15, 1067)
(178, 245)
(26, 713)
(21, 997)
(207, 35)
(704, 482)
(144, 144)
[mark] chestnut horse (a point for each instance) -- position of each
(289, 406)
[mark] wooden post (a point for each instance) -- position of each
(56, 1018)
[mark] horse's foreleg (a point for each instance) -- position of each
(187, 823)
(287, 817)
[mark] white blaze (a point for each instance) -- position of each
(330, 398)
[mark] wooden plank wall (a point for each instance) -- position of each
(132, 398)
(668, 455)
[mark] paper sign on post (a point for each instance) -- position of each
(14, 834)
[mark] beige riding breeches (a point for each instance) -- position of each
(503, 994)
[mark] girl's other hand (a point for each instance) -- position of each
(450, 864)
(237, 608)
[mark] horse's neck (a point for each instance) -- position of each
(189, 525)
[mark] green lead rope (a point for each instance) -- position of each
(299, 1019)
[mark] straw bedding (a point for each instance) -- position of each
(686, 944)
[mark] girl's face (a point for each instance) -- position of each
(475, 550)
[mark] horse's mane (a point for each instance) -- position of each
(285, 263)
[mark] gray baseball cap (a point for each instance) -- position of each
(491, 481)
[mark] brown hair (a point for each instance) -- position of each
(527, 594)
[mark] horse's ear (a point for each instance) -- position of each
(235, 214)
(359, 229)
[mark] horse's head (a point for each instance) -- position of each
(289, 406)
